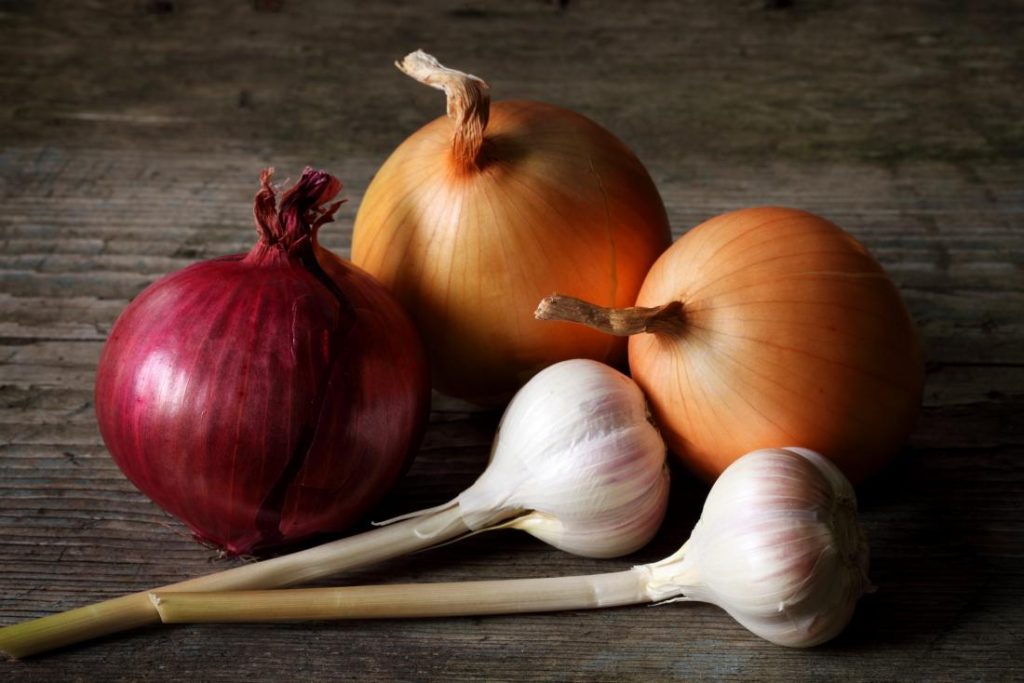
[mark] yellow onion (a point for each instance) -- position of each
(768, 327)
(478, 215)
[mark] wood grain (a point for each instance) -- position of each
(131, 140)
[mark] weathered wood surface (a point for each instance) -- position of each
(132, 135)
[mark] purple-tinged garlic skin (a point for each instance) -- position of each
(778, 546)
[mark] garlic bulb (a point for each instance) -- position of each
(778, 547)
(576, 463)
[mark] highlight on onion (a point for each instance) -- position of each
(265, 397)
(766, 327)
(478, 215)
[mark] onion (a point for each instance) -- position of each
(475, 217)
(264, 397)
(769, 327)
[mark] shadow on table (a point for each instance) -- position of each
(926, 561)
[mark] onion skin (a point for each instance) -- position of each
(792, 333)
(469, 243)
(266, 397)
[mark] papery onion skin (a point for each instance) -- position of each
(262, 398)
(550, 202)
(790, 333)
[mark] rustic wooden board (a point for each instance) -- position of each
(132, 135)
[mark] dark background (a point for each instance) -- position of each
(131, 138)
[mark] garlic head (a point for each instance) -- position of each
(576, 463)
(778, 546)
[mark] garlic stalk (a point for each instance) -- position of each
(576, 463)
(778, 546)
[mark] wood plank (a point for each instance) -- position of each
(132, 137)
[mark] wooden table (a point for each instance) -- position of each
(132, 135)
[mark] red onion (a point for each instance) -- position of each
(264, 397)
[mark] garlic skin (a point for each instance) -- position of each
(577, 455)
(778, 546)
